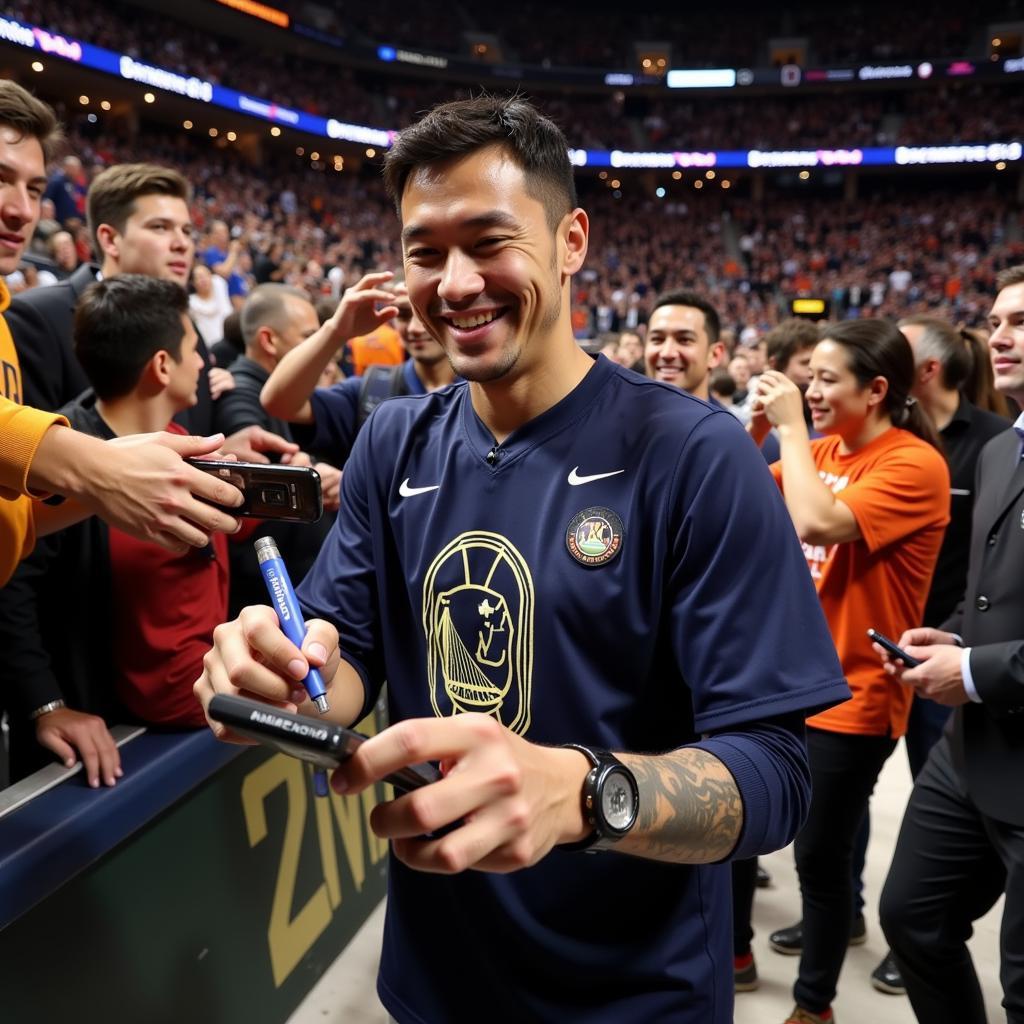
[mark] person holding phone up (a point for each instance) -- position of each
(870, 502)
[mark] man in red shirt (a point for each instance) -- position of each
(106, 606)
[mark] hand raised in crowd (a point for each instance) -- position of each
(251, 443)
(357, 313)
(779, 399)
(939, 676)
(67, 733)
(220, 381)
(253, 658)
(515, 799)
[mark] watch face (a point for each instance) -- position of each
(618, 803)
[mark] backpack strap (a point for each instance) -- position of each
(379, 383)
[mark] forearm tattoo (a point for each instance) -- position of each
(691, 811)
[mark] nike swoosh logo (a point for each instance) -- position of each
(575, 479)
(410, 492)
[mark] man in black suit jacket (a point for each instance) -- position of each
(962, 841)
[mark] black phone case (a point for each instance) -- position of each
(290, 494)
(321, 743)
(897, 652)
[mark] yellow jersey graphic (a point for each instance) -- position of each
(478, 620)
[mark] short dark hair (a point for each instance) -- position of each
(121, 323)
(1010, 276)
(712, 324)
(30, 117)
(265, 307)
(462, 127)
(113, 192)
(783, 342)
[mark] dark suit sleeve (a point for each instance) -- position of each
(41, 330)
(27, 680)
(998, 673)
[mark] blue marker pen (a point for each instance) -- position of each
(282, 596)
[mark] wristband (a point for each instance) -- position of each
(53, 705)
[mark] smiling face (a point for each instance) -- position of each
(678, 350)
(22, 181)
(838, 402)
(415, 337)
(485, 274)
(157, 240)
(1007, 341)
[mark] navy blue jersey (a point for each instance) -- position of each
(620, 572)
(336, 418)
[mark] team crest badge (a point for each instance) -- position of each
(594, 536)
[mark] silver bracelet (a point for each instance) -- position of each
(54, 705)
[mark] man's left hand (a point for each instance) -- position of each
(938, 676)
(250, 444)
(513, 800)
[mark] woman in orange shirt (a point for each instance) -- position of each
(870, 502)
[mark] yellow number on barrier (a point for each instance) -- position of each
(288, 938)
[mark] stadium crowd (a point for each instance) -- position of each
(295, 272)
(953, 112)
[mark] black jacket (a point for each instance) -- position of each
(55, 624)
(42, 323)
(988, 738)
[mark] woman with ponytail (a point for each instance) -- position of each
(870, 502)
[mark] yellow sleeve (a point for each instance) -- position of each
(21, 428)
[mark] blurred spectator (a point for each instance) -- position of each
(65, 259)
(66, 190)
(209, 304)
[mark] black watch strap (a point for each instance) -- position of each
(602, 836)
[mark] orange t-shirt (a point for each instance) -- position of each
(897, 488)
(382, 347)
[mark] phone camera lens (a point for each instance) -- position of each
(274, 496)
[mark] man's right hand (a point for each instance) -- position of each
(919, 636)
(251, 657)
(142, 486)
(69, 733)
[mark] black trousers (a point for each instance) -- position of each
(744, 882)
(844, 769)
(950, 866)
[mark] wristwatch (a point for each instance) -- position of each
(610, 799)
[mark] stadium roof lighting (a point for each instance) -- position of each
(726, 183)
(371, 152)
(1001, 166)
(186, 125)
(84, 100)
(37, 65)
(804, 175)
(709, 174)
(676, 175)
(149, 98)
(232, 136)
(275, 131)
(105, 104)
(213, 133)
(314, 156)
(698, 183)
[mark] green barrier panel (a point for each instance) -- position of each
(227, 907)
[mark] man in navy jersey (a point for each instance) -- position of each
(541, 561)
